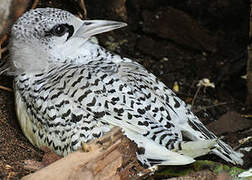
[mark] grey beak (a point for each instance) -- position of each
(93, 27)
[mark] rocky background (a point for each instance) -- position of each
(181, 42)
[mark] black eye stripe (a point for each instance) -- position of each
(70, 31)
(60, 30)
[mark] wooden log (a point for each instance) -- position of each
(111, 157)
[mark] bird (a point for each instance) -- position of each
(69, 90)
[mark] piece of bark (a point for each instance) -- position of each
(49, 156)
(111, 157)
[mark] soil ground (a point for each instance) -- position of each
(171, 59)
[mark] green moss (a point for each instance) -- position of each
(203, 164)
(215, 167)
(176, 171)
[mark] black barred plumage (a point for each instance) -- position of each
(70, 90)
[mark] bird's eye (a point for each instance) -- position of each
(59, 30)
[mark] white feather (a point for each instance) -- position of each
(156, 151)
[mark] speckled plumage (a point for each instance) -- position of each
(70, 90)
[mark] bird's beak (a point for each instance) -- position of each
(93, 27)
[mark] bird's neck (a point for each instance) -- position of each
(26, 58)
(31, 60)
(90, 52)
(85, 53)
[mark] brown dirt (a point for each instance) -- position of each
(168, 56)
(14, 147)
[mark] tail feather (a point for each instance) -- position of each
(151, 153)
(224, 151)
(197, 131)
(196, 148)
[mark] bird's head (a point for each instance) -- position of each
(48, 35)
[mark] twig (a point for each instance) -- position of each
(208, 107)
(80, 15)
(195, 96)
(6, 88)
(4, 49)
(35, 3)
(1, 42)
(3, 39)
(83, 6)
(246, 115)
(243, 141)
(247, 131)
(147, 172)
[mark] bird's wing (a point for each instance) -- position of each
(180, 115)
(146, 83)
